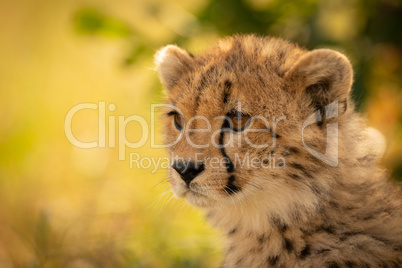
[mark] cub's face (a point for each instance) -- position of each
(234, 117)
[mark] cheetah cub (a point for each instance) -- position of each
(263, 136)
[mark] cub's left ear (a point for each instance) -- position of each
(172, 62)
(324, 74)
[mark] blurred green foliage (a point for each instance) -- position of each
(62, 206)
(91, 22)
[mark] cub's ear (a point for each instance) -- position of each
(171, 63)
(324, 74)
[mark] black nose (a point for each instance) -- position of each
(188, 170)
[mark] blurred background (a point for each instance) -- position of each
(62, 206)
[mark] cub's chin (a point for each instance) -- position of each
(199, 200)
(193, 198)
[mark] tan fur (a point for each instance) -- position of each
(302, 212)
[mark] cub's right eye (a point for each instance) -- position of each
(178, 120)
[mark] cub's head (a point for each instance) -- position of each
(244, 119)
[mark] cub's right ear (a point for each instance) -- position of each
(171, 63)
(324, 75)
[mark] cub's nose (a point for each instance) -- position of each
(188, 170)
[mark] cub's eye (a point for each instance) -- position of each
(178, 120)
(239, 121)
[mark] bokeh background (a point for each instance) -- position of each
(62, 206)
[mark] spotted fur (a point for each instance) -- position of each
(300, 212)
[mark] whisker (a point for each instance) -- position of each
(159, 197)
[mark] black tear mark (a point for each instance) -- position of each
(228, 162)
(273, 260)
(230, 187)
(288, 245)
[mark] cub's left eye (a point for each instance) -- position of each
(239, 121)
(178, 120)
